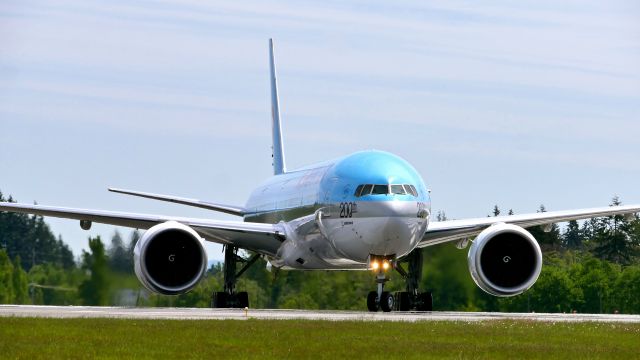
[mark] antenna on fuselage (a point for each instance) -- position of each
(276, 128)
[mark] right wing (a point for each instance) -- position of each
(452, 230)
(262, 238)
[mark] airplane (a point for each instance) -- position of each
(369, 210)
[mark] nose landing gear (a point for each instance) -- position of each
(380, 299)
(408, 300)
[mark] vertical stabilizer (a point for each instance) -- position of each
(276, 128)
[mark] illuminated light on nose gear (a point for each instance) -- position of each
(385, 265)
(375, 265)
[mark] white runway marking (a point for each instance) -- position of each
(239, 314)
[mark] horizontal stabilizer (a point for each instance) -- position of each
(228, 209)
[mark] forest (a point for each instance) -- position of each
(589, 267)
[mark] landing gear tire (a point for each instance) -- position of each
(242, 299)
(403, 301)
(425, 302)
(372, 301)
(386, 301)
(229, 298)
(219, 299)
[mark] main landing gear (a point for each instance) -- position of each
(229, 298)
(411, 299)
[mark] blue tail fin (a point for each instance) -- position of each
(276, 128)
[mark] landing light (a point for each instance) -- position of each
(375, 265)
(385, 265)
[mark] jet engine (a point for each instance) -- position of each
(505, 260)
(170, 259)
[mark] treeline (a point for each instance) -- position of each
(589, 267)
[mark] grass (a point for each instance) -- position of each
(31, 338)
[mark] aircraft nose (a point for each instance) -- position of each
(400, 229)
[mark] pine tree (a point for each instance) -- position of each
(441, 216)
(572, 237)
(31, 238)
(20, 283)
(65, 256)
(133, 240)
(615, 240)
(496, 210)
(6, 278)
(548, 239)
(95, 289)
(118, 254)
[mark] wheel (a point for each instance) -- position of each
(219, 299)
(242, 299)
(425, 302)
(372, 303)
(403, 301)
(386, 303)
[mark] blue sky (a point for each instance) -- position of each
(515, 104)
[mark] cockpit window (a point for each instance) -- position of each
(411, 190)
(366, 190)
(380, 189)
(383, 189)
(398, 190)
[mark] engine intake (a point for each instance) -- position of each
(505, 260)
(170, 259)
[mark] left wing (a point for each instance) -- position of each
(451, 230)
(228, 209)
(262, 238)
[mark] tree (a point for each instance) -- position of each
(31, 238)
(626, 290)
(596, 279)
(118, 257)
(496, 210)
(95, 289)
(20, 283)
(548, 239)
(65, 256)
(572, 237)
(133, 240)
(6, 278)
(615, 239)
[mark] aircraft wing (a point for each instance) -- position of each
(229, 209)
(452, 230)
(262, 238)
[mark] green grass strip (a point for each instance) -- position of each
(30, 338)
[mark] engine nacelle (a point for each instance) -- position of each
(505, 260)
(170, 258)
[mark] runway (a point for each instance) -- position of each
(264, 314)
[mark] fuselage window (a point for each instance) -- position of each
(380, 189)
(397, 190)
(358, 190)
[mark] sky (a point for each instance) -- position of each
(510, 103)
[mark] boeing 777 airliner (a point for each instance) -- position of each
(367, 210)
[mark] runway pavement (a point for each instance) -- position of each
(240, 314)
